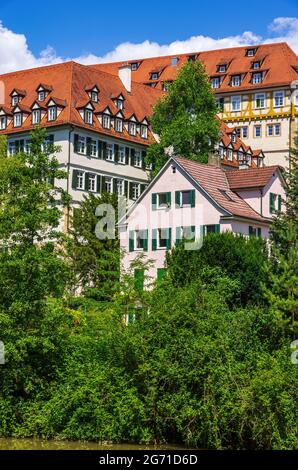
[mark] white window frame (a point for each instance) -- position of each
(109, 185)
(154, 76)
(255, 133)
(262, 98)
(236, 80)
(93, 148)
(159, 205)
(222, 68)
(137, 158)
(158, 238)
(121, 155)
(110, 155)
(52, 113)
(119, 103)
(14, 100)
(136, 191)
(94, 96)
(92, 182)
(215, 82)
(81, 145)
(3, 122)
(17, 119)
(118, 124)
(88, 116)
(257, 77)
(81, 180)
(236, 99)
(144, 131)
(138, 235)
(106, 121)
(274, 127)
(11, 148)
(134, 66)
(250, 52)
(41, 95)
(120, 187)
(256, 65)
(36, 116)
(230, 154)
(132, 128)
(279, 97)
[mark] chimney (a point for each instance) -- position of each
(214, 159)
(124, 73)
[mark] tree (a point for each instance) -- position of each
(185, 119)
(95, 262)
(283, 270)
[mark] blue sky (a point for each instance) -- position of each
(76, 30)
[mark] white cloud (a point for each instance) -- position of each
(15, 53)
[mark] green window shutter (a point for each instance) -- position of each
(178, 236)
(154, 201)
(279, 202)
(74, 179)
(259, 232)
(131, 240)
(130, 190)
(250, 230)
(144, 159)
(88, 146)
(154, 239)
(75, 142)
(145, 238)
(192, 198)
(127, 155)
(139, 275)
(98, 183)
(202, 231)
(177, 198)
(116, 152)
(168, 199)
(99, 149)
(169, 238)
(22, 144)
(126, 188)
(114, 184)
(161, 272)
(104, 150)
(86, 181)
(217, 228)
(132, 157)
(271, 203)
(193, 232)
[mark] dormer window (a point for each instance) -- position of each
(154, 76)
(222, 68)
(144, 131)
(234, 137)
(192, 58)
(236, 80)
(52, 113)
(250, 52)
(134, 66)
(215, 82)
(119, 103)
(174, 61)
(132, 128)
(106, 121)
(256, 65)
(118, 125)
(94, 96)
(41, 95)
(88, 116)
(15, 99)
(17, 119)
(3, 122)
(257, 78)
(36, 116)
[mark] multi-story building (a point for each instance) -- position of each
(188, 200)
(101, 123)
(256, 89)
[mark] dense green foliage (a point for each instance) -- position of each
(185, 119)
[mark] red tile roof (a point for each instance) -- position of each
(215, 182)
(251, 177)
(278, 59)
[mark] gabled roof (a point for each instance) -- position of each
(251, 178)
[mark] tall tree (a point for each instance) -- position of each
(283, 293)
(185, 119)
(95, 262)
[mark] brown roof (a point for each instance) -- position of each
(214, 181)
(278, 59)
(251, 177)
(68, 81)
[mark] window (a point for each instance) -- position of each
(94, 96)
(132, 128)
(92, 182)
(250, 52)
(230, 154)
(52, 113)
(257, 78)
(110, 152)
(207, 229)
(236, 103)
(3, 122)
(93, 148)
(174, 61)
(108, 185)
(141, 240)
(144, 131)
(185, 198)
(242, 132)
(36, 116)
(257, 131)
(162, 238)
(80, 180)
(15, 100)
(118, 125)
(121, 154)
(120, 187)
(161, 200)
(106, 121)
(254, 231)
(236, 80)
(154, 76)
(41, 95)
(275, 202)
(215, 82)
(81, 145)
(137, 159)
(88, 116)
(136, 190)
(222, 68)
(220, 104)
(192, 58)
(119, 103)
(134, 66)
(11, 148)
(185, 234)
(256, 65)
(27, 148)
(17, 120)
(278, 98)
(273, 130)
(260, 100)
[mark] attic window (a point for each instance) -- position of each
(41, 95)
(119, 103)
(52, 113)
(192, 58)
(174, 61)
(257, 78)
(215, 82)
(15, 99)
(134, 66)
(132, 128)
(226, 195)
(88, 116)
(3, 122)
(106, 121)
(250, 52)
(154, 76)
(222, 68)
(36, 116)
(144, 131)
(17, 120)
(256, 65)
(94, 96)
(236, 80)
